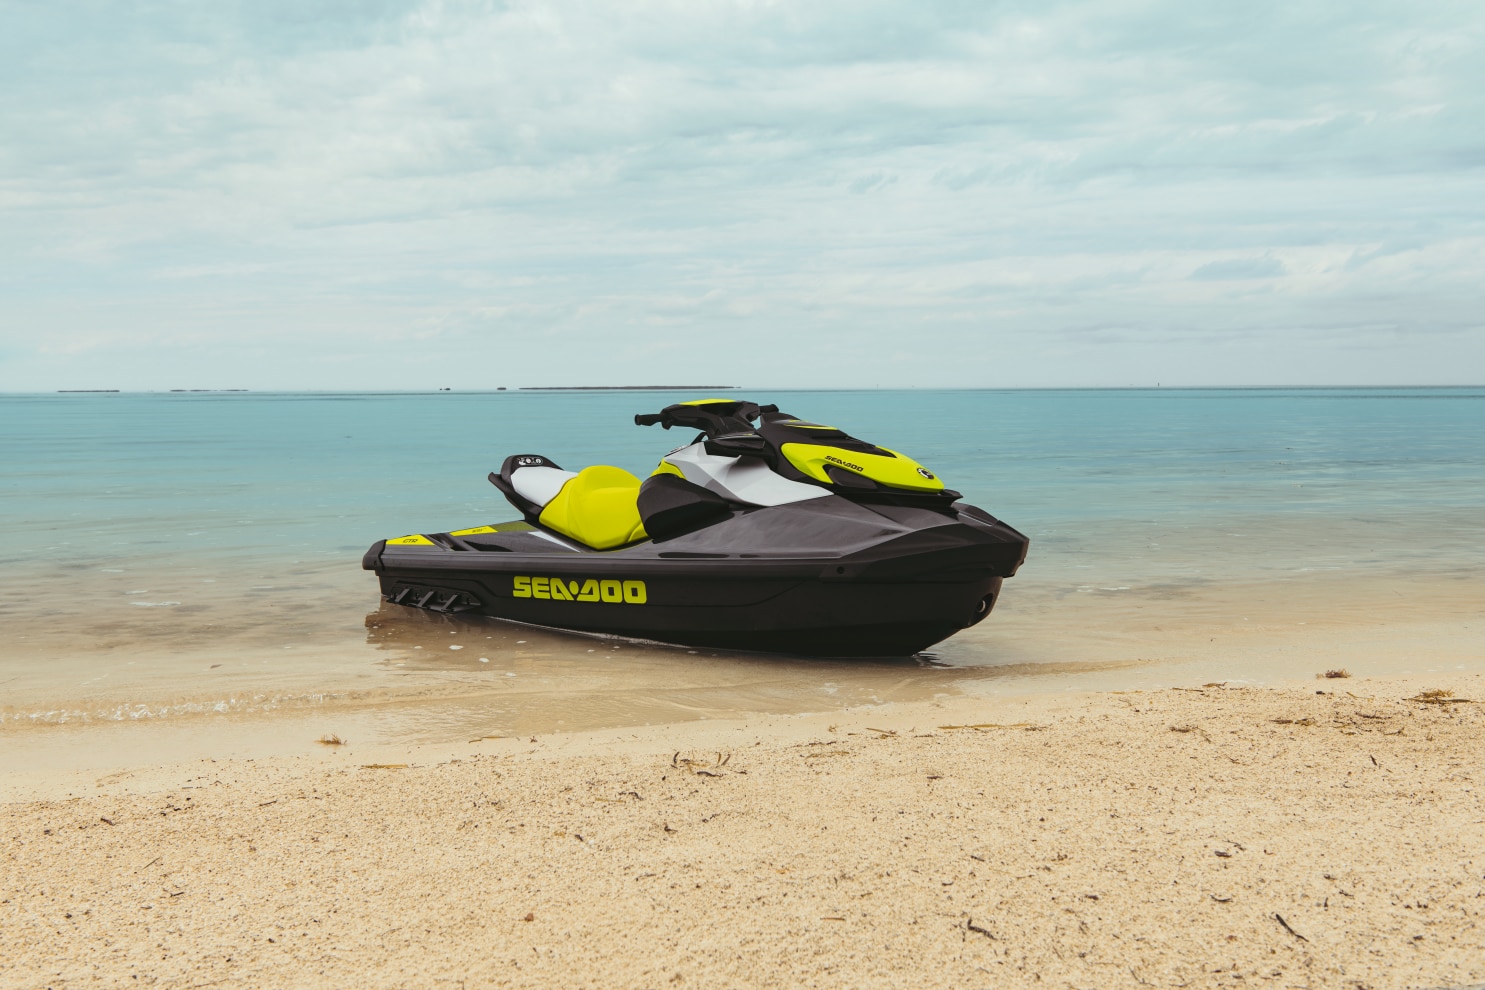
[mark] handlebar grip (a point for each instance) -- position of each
(648, 419)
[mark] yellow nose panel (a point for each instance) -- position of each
(895, 472)
(598, 507)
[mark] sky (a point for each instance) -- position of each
(282, 194)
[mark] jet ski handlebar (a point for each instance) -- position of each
(715, 419)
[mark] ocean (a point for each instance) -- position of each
(192, 560)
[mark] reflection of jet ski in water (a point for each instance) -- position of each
(788, 537)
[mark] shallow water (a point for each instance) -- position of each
(193, 559)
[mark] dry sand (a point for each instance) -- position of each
(1208, 837)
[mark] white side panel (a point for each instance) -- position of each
(742, 479)
(539, 484)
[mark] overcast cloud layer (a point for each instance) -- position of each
(414, 195)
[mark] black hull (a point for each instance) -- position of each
(828, 619)
(884, 582)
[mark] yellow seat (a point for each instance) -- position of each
(598, 507)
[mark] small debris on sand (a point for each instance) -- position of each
(1186, 834)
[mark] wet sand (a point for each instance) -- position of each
(1324, 833)
(411, 676)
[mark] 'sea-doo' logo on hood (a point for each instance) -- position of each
(590, 590)
(926, 473)
(854, 467)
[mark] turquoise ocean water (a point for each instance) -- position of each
(178, 554)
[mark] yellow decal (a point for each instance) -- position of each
(581, 590)
(518, 526)
(893, 470)
(410, 541)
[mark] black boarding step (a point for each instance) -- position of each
(432, 599)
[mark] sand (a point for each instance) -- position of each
(1327, 834)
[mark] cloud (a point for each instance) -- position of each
(196, 191)
(1234, 269)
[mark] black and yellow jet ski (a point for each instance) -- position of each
(785, 536)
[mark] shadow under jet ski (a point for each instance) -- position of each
(389, 627)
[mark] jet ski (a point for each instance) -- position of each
(764, 533)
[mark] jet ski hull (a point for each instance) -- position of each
(893, 585)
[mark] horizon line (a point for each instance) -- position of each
(731, 388)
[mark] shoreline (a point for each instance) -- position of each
(420, 679)
(1111, 839)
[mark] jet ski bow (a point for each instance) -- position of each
(766, 532)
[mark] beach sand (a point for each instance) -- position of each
(1324, 834)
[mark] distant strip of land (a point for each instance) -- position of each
(77, 390)
(624, 388)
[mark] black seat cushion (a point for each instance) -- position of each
(670, 505)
